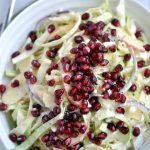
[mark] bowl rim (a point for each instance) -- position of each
(17, 18)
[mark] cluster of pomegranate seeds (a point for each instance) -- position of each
(35, 64)
(51, 28)
(29, 76)
(15, 54)
(136, 131)
(141, 63)
(14, 83)
(33, 36)
(147, 89)
(2, 88)
(115, 22)
(147, 47)
(147, 73)
(36, 110)
(3, 107)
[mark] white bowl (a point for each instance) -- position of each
(15, 35)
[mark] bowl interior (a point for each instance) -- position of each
(15, 35)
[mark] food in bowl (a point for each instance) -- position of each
(80, 81)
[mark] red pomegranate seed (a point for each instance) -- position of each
(120, 110)
(67, 141)
(85, 67)
(35, 63)
(56, 110)
(57, 37)
(93, 100)
(28, 47)
(50, 116)
(86, 50)
(21, 139)
(102, 49)
(54, 65)
(15, 83)
(124, 130)
(33, 79)
(115, 22)
(119, 124)
(136, 131)
(96, 106)
(112, 48)
(104, 62)
(98, 141)
(99, 57)
(45, 138)
(138, 34)
(118, 68)
(86, 96)
(114, 76)
(51, 82)
(147, 73)
(3, 107)
(35, 112)
(78, 97)
(102, 135)
(147, 89)
(77, 124)
(127, 57)
(51, 28)
(33, 36)
(73, 67)
(133, 88)
(91, 135)
(60, 123)
(113, 32)
(81, 46)
(58, 101)
(78, 39)
(45, 118)
(100, 25)
(81, 60)
(141, 63)
(65, 60)
(85, 16)
(73, 91)
(111, 127)
(84, 104)
(72, 107)
(147, 47)
(27, 74)
(37, 106)
(105, 95)
(106, 86)
(106, 75)
(15, 54)
(13, 137)
(83, 129)
(74, 50)
(50, 54)
(59, 93)
(2, 88)
(82, 26)
(84, 111)
(105, 37)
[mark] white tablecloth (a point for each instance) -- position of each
(21, 4)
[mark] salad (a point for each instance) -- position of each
(80, 81)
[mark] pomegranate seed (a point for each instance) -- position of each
(102, 49)
(73, 91)
(67, 141)
(84, 110)
(60, 123)
(56, 110)
(111, 127)
(127, 57)
(113, 32)
(119, 124)
(59, 93)
(120, 110)
(105, 37)
(27, 74)
(74, 117)
(104, 62)
(147, 73)
(49, 143)
(147, 89)
(58, 101)
(105, 95)
(13, 137)
(102, 135)
(141, 63)
(100, 25)
(82, 26)
(51, 28)
(78, 97)
(2, 88)
(51, 115)
(96, 106)
(98, 141)
(86, 96)
(54, 65)
(106, 86)
(106, 75)
(50, 54)
(35, 63)
(93, 100)
(74, 50)
(66, 67)
(37, 106)
(84, 104)
(51, 82)
(81, 46)
(86, 50)
(85, 16)
(138, 34)
(3, 107)
(85, 67)
(57, 37)
(136, 131)
(35, 112)
(112, 48)
(120, 98)
(118, 68)
(133, 88)
(15, 83)
(33, 79)
(83, 129)
(73, 67)
(100, 57)
(45, 118)
(77, 124)
(147, 47)
(35, 148)
(115, 22)
(91, 135)
(28, 47)
(78, 39)
(124, 130)
(33, 36)
(65, 60)
(45, 138)
(15, 54)
(21, 139)
(81, 60)
(77, 78)
(114, 76)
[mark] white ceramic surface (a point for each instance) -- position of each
(15, 35)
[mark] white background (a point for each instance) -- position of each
(21, 4)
